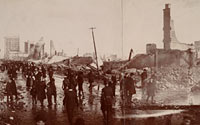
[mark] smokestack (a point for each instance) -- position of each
(167, 27)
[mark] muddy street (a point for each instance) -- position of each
(30, 114)
(23, 112)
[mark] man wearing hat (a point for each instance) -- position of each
(129, 87)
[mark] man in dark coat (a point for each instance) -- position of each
(129, 87)
(43, 71)
(114, 82)
(49, 94)
(41, 94)
(11, 89)
(28, 80)
(38, 76)
(51, 91)
(14, 88)
(50, 71)
(80, 83)
(90, 80)
(14, 72)
(70, 103)
(65, 83)
(106, 100)
(33, 93)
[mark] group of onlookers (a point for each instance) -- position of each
(41, 84)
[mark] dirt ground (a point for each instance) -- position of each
(22, 112)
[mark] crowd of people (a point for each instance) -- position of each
(41, 84)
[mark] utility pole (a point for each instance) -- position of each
(77, 51)
(122, 28)
(92, 28)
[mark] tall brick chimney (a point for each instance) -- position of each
(167, 27)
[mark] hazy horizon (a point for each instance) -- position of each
(67, 23)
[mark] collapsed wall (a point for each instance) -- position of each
(175, 68)
(163, 58)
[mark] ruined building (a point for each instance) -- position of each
(170, 41)
(34, 50)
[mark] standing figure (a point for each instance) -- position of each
(53, 86)
(14, 88)
(121, 77)
(70, 103)
(49, 94)
(51, 91)
(50, 71)
(80, 83)
(122, 85)
(33, 93)
(41, 95)
(14, 72)
(72, 81)
(90, 80)
(143, 78)
(151, 88)
(43, 71)
(38, 75)
(129, 88)
(114, 82)
(106, 101)
(28, 81)
(9, 91)
(65, 83)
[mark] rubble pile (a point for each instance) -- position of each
(177, 77)
(55, 59)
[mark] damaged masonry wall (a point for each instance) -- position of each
(164, 58)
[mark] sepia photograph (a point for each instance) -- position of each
(99, 62)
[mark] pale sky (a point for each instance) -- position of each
(67, 23)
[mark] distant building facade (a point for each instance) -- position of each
(52, 48)
(26, 47)
(12, 47)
